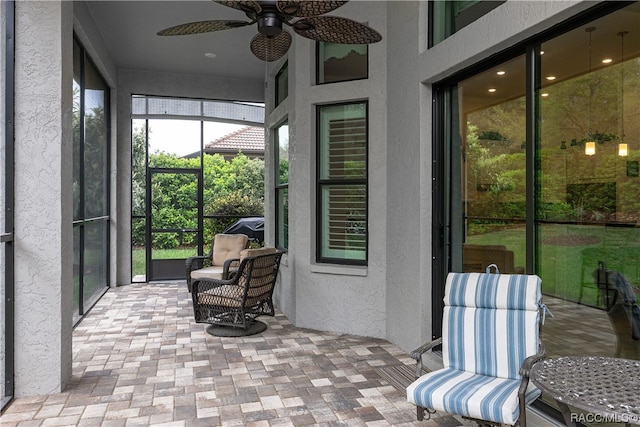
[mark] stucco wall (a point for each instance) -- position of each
(43, 197)
(321, 296)
(408, 160)
(391, 297)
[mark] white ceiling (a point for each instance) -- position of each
(129, 30)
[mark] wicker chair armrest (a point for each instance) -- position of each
(230, 268)
(195, 262)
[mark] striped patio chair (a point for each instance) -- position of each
(489, 344)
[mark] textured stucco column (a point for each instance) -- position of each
(122, 200)
(44, 198)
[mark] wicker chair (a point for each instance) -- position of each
(231, 306)
(620, 301)
(216, 264)
(489, 344)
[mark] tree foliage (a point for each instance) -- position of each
(230, 188)
(90, 172)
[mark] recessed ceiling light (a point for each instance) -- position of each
(544, 94)
(492, 90)
(501, 73)
(550, 77)
(542, 52)
(210, 55)
(607, 61)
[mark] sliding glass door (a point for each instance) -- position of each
(589, 205)
(541, 155)
(492, 203)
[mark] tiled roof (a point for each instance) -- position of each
(249, 140)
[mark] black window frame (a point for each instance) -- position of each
(279, 189)
(319, 61)
(454, 24)
(283, 70)
(320, 183)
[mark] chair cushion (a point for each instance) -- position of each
(506, 291)
(490, 323)
(489, 341)
(470, 395)
(227, 246)
(223, 296)
(247, 253)
(213, 272)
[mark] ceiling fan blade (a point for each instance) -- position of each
(304, 8)
(201, 27)
(247, 6)
(333, 29)
(270, 48)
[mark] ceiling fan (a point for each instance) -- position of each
(272, 41)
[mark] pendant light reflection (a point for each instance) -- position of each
(590, 146)
(623, 148)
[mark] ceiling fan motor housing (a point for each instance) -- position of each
(269, 24)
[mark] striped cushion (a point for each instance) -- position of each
(508, 291)
(490, 326)
(470, 395)
(490, 322)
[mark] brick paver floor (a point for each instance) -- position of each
(140, 359)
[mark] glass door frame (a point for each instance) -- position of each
(149, 230)
(446, 226)
(446, 230)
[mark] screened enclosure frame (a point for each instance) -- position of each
(6, 233)
(83, 222)
(148, 108)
